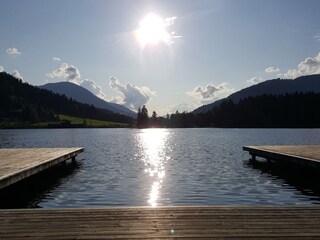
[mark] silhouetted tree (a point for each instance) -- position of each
(154, 120)
(142, 117)
(154, 115)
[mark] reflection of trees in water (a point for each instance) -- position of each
(304, 179)
(30, 192)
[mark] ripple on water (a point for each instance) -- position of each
(124, 167)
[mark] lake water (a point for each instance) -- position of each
(154, 167)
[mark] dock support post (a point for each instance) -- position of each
(253, 158)
(73, 159)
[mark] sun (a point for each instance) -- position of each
(153, 30)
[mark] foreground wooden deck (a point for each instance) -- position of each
(210, 222)
(303, 155)
(19, 163)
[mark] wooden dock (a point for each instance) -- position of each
(205, 222)
(304, 155)
(19, 163)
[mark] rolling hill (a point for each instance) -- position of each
(83, 95)
(20, 101)
(304, 84)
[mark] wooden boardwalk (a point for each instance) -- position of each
(19, 163)
(304, 155)
(206, 222)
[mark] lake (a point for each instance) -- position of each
(155, 167)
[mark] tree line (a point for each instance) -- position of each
(22, 102)
(144, 121)
(296, 110)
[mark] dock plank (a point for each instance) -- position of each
(308, 155)
(19, 163)
(190, 222)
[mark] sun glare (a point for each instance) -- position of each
(152, 30)
(153, 143)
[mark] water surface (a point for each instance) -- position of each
(154, 167)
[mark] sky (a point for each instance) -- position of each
(168, 55)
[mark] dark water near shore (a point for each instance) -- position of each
(134, 167)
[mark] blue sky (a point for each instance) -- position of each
(217, 47)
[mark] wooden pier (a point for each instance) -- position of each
(178, 222)
(19, 163)
(303, 155)
(205, 222)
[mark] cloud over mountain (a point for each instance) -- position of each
(16, 74)
(72, 74)
(131, 96)
(67, 72)
(93, 87)
(210, 92)
(1, 69)
(311, 65)
(182, 107)
(255, 80)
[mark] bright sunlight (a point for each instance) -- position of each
(154, 144)
(153, 30)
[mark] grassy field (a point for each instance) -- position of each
(65, 122)
(92, 122)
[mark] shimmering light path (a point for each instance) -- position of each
(153, 143)
(165, 167)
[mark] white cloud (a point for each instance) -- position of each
(1, 69)
(68, 72)
(311, 65)
(272, 70)
(93, 87)
(169, 23)
(72, 74)
(131, 96)
(255, 80)
(210, 92)
(16, 74)
(13, 51)
(317, 38)
(182, 107)
(56, 59)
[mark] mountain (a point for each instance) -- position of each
(23, 102)
(83, 95)
(310, 83)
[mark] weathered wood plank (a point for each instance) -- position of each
(288, 222)
(308, 155)
(19, 163)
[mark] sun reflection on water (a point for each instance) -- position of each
(153, 143)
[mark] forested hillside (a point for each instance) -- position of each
(22, 102)
(297, 110)
(83, 95)
(303, 84)
(288, 111)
